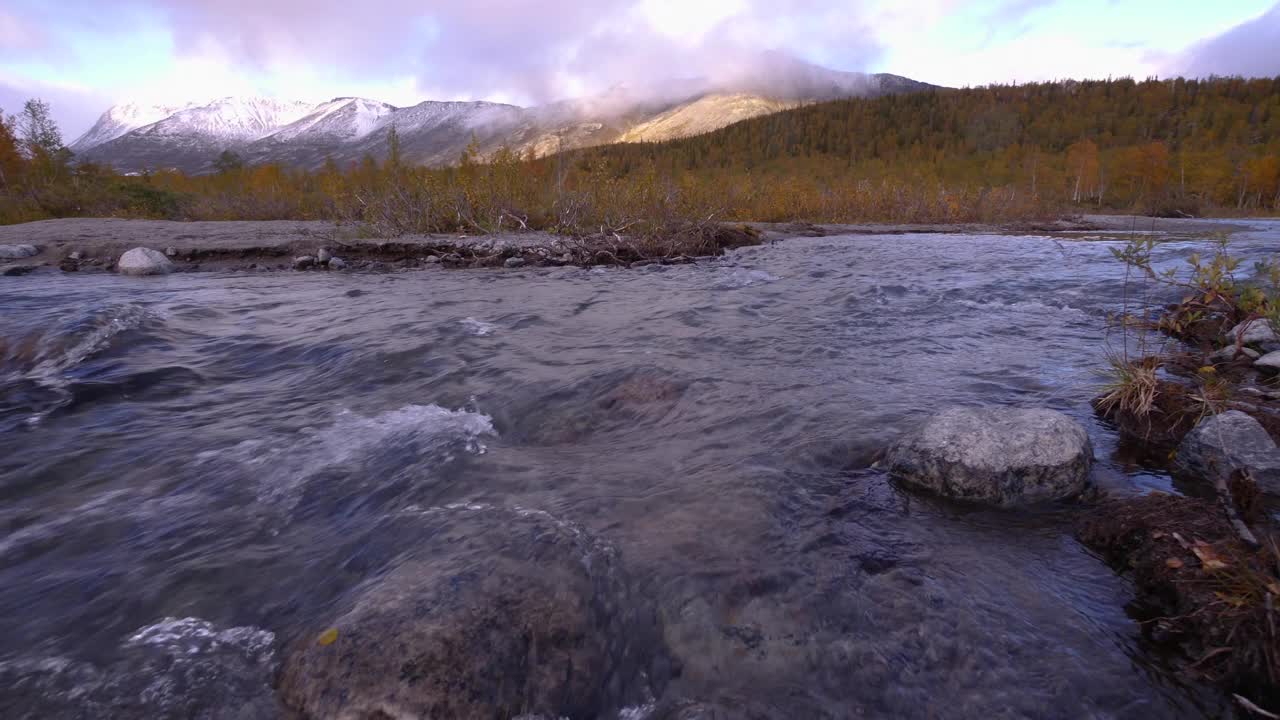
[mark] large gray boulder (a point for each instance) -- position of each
(1253, 332)
(1224, 443)
(997, 456)
(17, 252)
(499, 613)
(144, 261)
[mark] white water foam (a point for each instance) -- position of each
(285, 463)
(194, 636)
(740, 278)
(49, 371)
(478, 328)
(1023, 306)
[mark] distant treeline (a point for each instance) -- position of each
(1167, 147)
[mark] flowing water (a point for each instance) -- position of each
(193, 467)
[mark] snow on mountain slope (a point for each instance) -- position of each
(124, 118)
(339, 119)
(230, 119)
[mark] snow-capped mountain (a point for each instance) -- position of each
(122, 119)
(134, 138)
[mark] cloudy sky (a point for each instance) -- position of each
(83, 55)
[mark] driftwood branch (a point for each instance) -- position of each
(1228, 503)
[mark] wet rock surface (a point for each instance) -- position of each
(504, 612)
(998, 456)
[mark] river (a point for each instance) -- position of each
(189, 465)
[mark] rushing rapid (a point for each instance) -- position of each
(194, 468)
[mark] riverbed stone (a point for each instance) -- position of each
(499, 613)
(337, 263)
(514, 262)
(1231, 352)
(1253, 332)
(324, 255)
(995, 455)
(1229, 441)
(1269, 362)
(144, 261)
(302, 262)
(17, 252)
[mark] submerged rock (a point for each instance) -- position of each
(1226, 442)
(144, 261)
(1252, 332)
(17, 252)
(998, 456)
(504, 612)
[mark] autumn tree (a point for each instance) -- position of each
(1083, 168)
(10, 156)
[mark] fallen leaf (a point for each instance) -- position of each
(1273, 588)
(1208, 370)
(1174, 563)
(1208, 556)
(1158, 534)
(328, 637)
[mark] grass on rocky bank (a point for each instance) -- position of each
(1206, 567)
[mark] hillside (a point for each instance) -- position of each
(1106, 143)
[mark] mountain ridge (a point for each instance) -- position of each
(433, 132)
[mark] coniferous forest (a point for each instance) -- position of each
(1160, 147)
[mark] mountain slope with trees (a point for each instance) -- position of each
(993, 153)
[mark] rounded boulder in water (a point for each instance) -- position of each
(996, 456)
(499, 613)
(144, 261)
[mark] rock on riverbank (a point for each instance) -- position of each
(144, 261)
